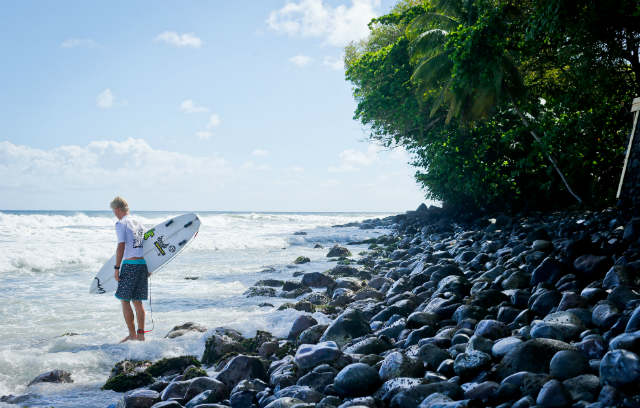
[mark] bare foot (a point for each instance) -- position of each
(140, 337)
(129, 337)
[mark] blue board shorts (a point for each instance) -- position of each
(134, 280)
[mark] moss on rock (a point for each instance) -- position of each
(172, 365)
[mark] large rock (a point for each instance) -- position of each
(54, 376)
(338, 251)
(141, 399)
(301, 392)
(301, 323)
(348, 325)
(245, 393)
(549, 271)
(201, 384)
(188, 327)
(591, 267)
(469, 364)
(492, 329)
(567, 364)
(311, 355)
(356, 380)
(219, 345)
(396, 364)
(620, 368)
(317, 280)
(239, 368)
(553, 395)
(532, 355)
(312, 334)
(583, 387)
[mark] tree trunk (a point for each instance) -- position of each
(553, 162)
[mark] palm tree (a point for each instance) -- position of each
(496, 78)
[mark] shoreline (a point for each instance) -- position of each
(435, 313)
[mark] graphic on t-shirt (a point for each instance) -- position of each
(137, 238)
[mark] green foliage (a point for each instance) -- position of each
(172, 365)
(483, 92)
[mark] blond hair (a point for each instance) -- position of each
(119, 203)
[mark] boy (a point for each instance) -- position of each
(132, 276)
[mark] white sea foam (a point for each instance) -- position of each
(48, 262)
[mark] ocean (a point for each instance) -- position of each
(48, 320)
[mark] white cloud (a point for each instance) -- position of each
(259, 152)
(352, 160)
(333, 63)
(313, 18)
(203, 135)
(78, 42)
(189, 106)
(251, 165)
(103, 165)
(105, 99)
(300, 60)
(179, 40)
(214, 121)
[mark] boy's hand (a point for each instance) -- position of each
(116, 275)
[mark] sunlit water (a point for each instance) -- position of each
(48, 260)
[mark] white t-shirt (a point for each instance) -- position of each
(130, 231)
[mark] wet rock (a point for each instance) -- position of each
(283, 373)
(604, 315)
(127, 375)
(503, 346)
(519, 358)
(141, 399)
(483, 391)
(549, 271)
(304, 393)
(312, 334)
(175, 390)
(583, 387)
(219, 345)
(337, 251)
(201, 384)
(301, 260)
(478, 343)
(467, 365)
(414, 395)
(567, 364)
(432, 355)
(396, 364)
(356, 380)
(348, 325)
(370, 345)
(301, 323)
(311, 355)
(320, 377)
(634, 321)
(592, 346)
(591, 267)
(553, 395)
(626, 341)
(254, 291)
(492, 329)
(53, 376)
(188, 327)
(419, 319)
(620, 368)
(317, 280)
(239, 368)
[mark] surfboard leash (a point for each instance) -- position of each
(153, 323)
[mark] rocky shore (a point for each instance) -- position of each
(538, 310)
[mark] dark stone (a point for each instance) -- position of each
(520, 357)
(356, 380)
(590, 267)
(317, 280)
(396, 364)
(419, 319)
(432, 355)
(567, 364)
(255, 291)
(469, 364)
(312, 334)
(337, 251)
(634, 321)
(241, 367)
(413, 396)
(311, 355)
(303, 393)
(604, 315)
(545, 301)
(626, 341)
(141, 399)
(317, 380)
(549, 271)
(175, 390)
(201, 384)
(370, 345)
(620, 368)
(483, 391)
(348, 325)
(583, 387)
(503, 346)
(54, 376)
(299, 325)
(492, 329)
(553, 395)
(185, 328)
(592, 346)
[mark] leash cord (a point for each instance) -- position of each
(153, 323)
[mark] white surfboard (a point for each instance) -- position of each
(161, 244)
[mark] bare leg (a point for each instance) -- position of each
(140, 318)
(127, 312)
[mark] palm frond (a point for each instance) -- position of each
(428, 21)
(428, 43)
(432, 70)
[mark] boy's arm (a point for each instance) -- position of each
(119, 254)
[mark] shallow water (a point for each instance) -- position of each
(49, 320)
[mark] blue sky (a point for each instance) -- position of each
(204, 105)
